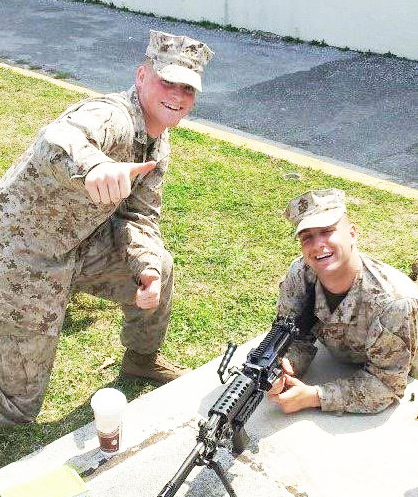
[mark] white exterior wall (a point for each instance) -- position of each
(376, 25)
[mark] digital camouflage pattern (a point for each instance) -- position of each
(375, 326)
(317, 208)
(178, 59)
(55, 240)
(181, 50)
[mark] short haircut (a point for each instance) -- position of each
(147, 62)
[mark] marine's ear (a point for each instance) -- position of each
(139, 77)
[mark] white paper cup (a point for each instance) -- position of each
(108, 405)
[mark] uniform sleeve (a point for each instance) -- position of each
(291, 302)
(136, 223)
(390, 347)
(86, 136)
(83, 138)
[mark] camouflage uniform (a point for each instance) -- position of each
(376, 326)
(54, 241)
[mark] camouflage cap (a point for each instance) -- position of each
(316, 209)
(178, 59)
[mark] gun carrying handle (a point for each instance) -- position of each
(225, 360)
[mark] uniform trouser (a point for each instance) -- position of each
(26, 361)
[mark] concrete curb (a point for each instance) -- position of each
(279, 151)
(49, 79)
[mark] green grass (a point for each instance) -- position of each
(223, 222)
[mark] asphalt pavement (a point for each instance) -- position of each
(360, 109)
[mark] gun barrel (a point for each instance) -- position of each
(175, 483)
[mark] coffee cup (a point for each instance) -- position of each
(108, 405)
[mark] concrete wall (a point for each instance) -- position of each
(376, 25)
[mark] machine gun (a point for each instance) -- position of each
(227, 417)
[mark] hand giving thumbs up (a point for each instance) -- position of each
(110, 182)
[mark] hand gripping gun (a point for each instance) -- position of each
(227, 417)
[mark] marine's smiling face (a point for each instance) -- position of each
(164, 104)
(328, 250)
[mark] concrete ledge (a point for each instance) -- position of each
(309, 454)
(280, 151)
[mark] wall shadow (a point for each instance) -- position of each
(413, 492)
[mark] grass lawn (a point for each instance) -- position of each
(222, 221)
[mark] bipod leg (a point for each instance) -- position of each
(220, 472)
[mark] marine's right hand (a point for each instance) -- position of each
(148, 294)
(110, 182)
(279, 384)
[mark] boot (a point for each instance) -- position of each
(150, 367)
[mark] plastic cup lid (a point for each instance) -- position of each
(108, 401)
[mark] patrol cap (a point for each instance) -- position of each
(178, 59)
(316, 209)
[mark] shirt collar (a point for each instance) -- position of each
(346, 312)
(140, 129)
